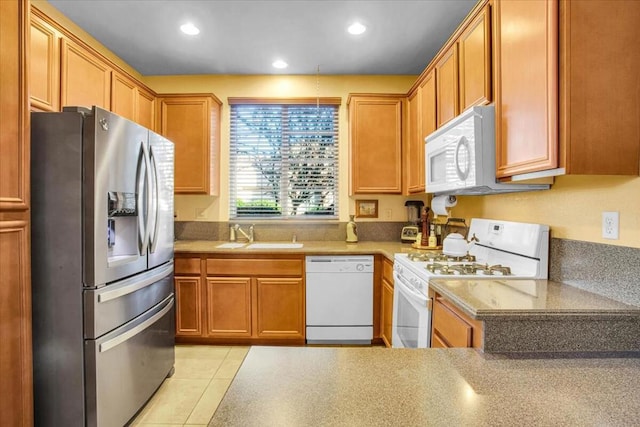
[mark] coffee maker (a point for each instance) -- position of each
(412, 229)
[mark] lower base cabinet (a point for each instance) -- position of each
(244, 301)
(386, 305)
(451, 328)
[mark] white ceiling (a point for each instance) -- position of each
(246, 36)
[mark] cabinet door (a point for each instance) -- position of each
(123, 96)
(44, 63)
(526, 86)
(86, 79)
(386, 315)
(280, 308)
(229, 307)
(427, 120)
(375, 133)
(449, 328)
(475, 62)
(414, 154)
(146, 108)
(16, 381)
(447, 86)
(188, 306)
(187, 121)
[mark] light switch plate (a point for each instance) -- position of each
(610, 225)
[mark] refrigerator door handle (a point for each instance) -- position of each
(129, 286)
(139, 202)
(155, 196)
(145, 214)
(108, 345)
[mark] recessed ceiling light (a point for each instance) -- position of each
(280, 64)
(189, 29)
(356, 28)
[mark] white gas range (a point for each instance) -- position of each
(506, 249)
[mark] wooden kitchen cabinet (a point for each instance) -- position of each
(44, 66)
(124, 94)
(229, 307)
(474, 51)
(413, 154)
(386, 306)
(255, 300)
(451, 328)
(375, 137)
(192, 122)
(280, 308)
(446, 70)
(586, 120)
(188, 292)
(146, 108)
(16, 359)
(85, 78)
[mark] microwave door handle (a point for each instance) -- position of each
(140, 180)
(154, 195)
(463, 174)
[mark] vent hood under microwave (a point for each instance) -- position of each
(460, 157)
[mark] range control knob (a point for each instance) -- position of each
(359, 267)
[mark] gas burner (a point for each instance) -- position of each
(439, 257)
(468, 269)
(465, 258)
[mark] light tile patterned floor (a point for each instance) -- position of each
(190, 397)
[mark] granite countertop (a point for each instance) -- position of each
(341, 386)
(489, 298)
(328, 247)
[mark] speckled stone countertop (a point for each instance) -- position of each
(328, 247)
(286, 386)
(486, 298)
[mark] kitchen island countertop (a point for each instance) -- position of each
(341, 386)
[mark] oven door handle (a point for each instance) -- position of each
(409, 291)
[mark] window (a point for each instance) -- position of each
(284, 159)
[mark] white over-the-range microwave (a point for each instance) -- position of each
(460, 157)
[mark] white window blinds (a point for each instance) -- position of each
(284, 161)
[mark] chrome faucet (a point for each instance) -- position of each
(249, 236)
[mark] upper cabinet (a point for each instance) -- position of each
(474, 59)
(463, 71)
(375, 136)
(192, 122)
(447, 86)
(44, 62)
(577, 110)
(600, 87)
(86, 79)
(64, 71)
(526, 86)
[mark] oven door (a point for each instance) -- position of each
(411, 316)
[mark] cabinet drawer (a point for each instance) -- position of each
(387, 271)
(187, 265)
(452, 329)
(254, 267)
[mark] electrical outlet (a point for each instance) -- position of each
(387, 214)
(610, 225)
(200, 213)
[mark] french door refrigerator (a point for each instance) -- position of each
(102, 266)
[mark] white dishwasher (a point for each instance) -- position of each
(339, 294)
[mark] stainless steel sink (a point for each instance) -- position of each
(275, 245)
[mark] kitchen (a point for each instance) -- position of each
(567, 208)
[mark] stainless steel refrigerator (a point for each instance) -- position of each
(102, 266)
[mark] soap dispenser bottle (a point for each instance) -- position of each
(352, 232)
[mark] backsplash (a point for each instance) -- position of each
(608, 270)
(279, 231)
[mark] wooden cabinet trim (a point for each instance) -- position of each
(188, 306)
(447, 102)
(125, 107)
(68, 48)
(216, 310)
(453, 329)
(187, 265)
(387, 270)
